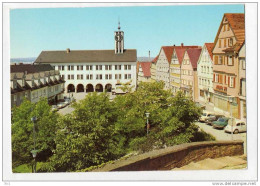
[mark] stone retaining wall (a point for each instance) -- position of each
(176, 156)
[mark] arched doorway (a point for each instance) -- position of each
(108, 87)
(80, 88)
(70, 88)
(89, 88)
(99, 88)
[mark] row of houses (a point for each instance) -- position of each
(34, 82)
(212, 74)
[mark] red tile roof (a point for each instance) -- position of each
(146, 67)
(155, 59)
(180, 50)
(168, 50)
(209, 47)
(194, 54)
(237, 24)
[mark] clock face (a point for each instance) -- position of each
(118, 37)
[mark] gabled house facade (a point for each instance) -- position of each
(175, 67)
(226, 85)
(163, 65)
(242, 81)
(144, 72)
(189, 79)
(205, 74)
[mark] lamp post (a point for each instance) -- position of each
(34, 151)
(230, 100)
(147, 124)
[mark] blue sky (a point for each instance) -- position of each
(145, 28)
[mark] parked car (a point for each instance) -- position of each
(221, 123)
(237, 126)
(212, 118)
(205, 115)
(61, 105)
(203, 107)
(54, 108)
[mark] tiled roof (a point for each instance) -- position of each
(155, 59)
(81, 56)
(30, 68)
(146, 67)
(168, 50)
(209, 47)
(237, 24)
(180, 50)
(194, 54)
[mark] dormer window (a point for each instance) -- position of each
(15, 84)
(231, 42)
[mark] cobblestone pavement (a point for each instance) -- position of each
(221, 134)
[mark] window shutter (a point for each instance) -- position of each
(220, 78)
(214, 77)
(232, 60)
(234, 82)
(216, 60)
(228, 81)
(225, 81)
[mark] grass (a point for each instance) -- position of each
(26, 168)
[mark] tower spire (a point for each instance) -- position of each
(118, 24)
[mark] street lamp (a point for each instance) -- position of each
(147, 124)
(34, 151)
(230, 100)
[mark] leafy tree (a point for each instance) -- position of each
(85, 137)
(22, 131)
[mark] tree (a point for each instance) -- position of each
(22, 131)
(85, 137)
(170, 118)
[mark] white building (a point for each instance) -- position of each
(94, 70)
(205, 74)
(163, 65)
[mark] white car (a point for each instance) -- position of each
(238, 126)
(206, 115)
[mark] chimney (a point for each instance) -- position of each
(181, 44)
(68, 50)
(174, 45)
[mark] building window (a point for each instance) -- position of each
(15, 98)
(216, 78)
(96, 67)
(220, 60)
(88, 67)
(231, 60)
(79, 67)
(244, 109)
(129, 67)
(129, 76)
(125, 67)
(224, 28)
(69, 67)
(106, 76)
(59, 67)
(243, 64)
(230, 42)
(219, 43)
(125, 76)
(68, 76)
(62, 67)
(110, 76)
(72, 76)
(232, 82)
(72, 67)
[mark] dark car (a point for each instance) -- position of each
(221, 123)
(212, 118)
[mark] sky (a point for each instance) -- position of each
(92, 28)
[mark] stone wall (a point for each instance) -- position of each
(176, 156)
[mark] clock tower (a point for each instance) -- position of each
(119, 41)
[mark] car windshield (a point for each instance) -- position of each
(221, 119)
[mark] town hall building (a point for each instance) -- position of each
(94, 70)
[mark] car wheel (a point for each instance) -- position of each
(236, 131)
